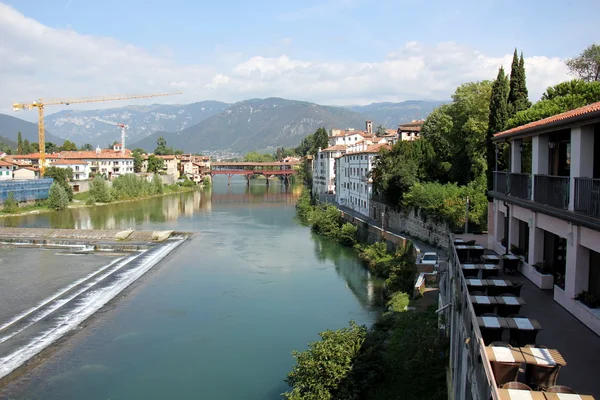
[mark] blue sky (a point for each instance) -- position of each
(231, 50)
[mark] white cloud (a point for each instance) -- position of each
(38, 61)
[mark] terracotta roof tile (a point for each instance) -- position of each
(338, 147)
(594, 107)
(5, 164)
(69, 162)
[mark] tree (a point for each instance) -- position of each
(19, 143)
(518, 98)
(138, 161)
(587, 66)
(157, 185)
(61, 176)
(155, 164)
(57, 197)
(69, 146)
(497, 120)
(87, 147)
(161, 147)
(26, 147)
(321, 369)
(99, 191)
(380, 131)
(254, 156)
(320, 141)
(50, 147)
(10, 204)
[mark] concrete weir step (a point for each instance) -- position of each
(85, 235)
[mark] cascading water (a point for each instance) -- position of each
(27, 334)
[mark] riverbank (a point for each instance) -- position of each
(402, 353)
(80, 201)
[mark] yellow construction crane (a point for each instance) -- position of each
(40, 104)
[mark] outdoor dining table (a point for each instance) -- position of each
(510, 262)
(492, 322)
(505, 363)
(510, 300)
(541, 356)
(565, 396)
(523, 324)
(490, 259)
(514, 394)
(458, 241)
(483, 300)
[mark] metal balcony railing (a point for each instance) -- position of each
(519, 185)
(500, 182)
(587, 196)
(552, 190)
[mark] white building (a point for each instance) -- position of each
(81, 169)
(553, 214)
(353, 181)
(6, 170)
(323, 169)
(109, 163)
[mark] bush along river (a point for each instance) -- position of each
(218, 318)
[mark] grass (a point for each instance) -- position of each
(81, 196)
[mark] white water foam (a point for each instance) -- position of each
(88, 306)
(59, 303)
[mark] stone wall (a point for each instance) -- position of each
(411, 223)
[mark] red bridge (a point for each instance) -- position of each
(249, 169)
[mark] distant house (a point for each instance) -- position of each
(26, 173)
(410, 131)
(6, 170)
(81, 169)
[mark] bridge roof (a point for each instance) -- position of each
(250, 164)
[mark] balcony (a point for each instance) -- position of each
(552, 191)
(519, 185)
(500, 182)
(587, 196)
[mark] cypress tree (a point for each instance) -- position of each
(518, 96)
(19, 143)
(499, 114)
(523, 89)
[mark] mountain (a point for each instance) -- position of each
(257, 124)
(391, 115)
(7, 142)
(82, 127)
(10, 126)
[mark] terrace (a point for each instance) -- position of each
(476, 373)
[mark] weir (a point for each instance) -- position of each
(27, 334)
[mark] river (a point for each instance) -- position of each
(220, 316)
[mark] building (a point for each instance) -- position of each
(323, 169)
(80, 168)
(170, 166)
(410, 131)
(353, 179)
(24, 173)
(551, 216)
(6, 170)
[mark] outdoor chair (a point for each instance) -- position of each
(515, 288)
(486, 273)
(499, 344)
(504, 310)
(483, 309)
(470, 273)
(471, 242)
(478, 293)
(496, 290)
(541, 377)
(561, 389)
(505, 372)
(516, 385)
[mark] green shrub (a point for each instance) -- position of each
(10, 204)
(326, 364)
(398, 302)
(403, 271)
(157, 185)
(187, 182)
(62, 176)
(206, 181)
(57, 197)
(99, 191)
(347, 234)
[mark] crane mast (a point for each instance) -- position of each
(40, 104)
(123, 128)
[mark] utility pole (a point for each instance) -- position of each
(467, 217)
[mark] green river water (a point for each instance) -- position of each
(216, 319)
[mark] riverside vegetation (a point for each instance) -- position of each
(401, 355)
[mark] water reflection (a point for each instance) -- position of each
(367, 288)
(160, 209)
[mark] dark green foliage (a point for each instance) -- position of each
(206, 182)
(403, 270)
(312, 143)
(19, 143)
(587, 65)
(497, 122)
(138, 161)
(68, 146)
(398, 302)
(62, 176)
(162, 149)
(186, 182)
(518, 97)
(380, 131)
(10, 204)
(99, 191)
(347, 234)
(87, 147)
(129, 186)
(57, 197)
(558, 99)
(320, 370)
(415, 363)
(155, 164)
(258, 157)
(157, 185)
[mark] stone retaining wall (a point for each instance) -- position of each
(412, 224)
